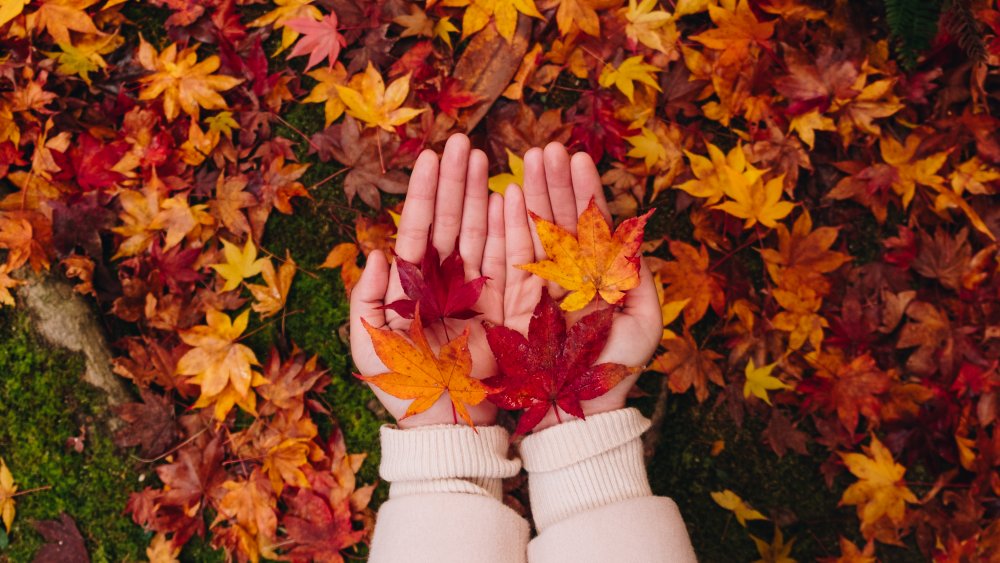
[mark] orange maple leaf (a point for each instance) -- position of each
(593, 262)
(737, 31)
(689, 278)
(804, 255)
(688, 366)
(220, 365)
(184, 83)
(416, 372)
(582, 15)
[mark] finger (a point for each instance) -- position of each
(587, 184)
(519, 249)
(366, 298)
(560, 182)
(418, 209)
(494, 255)
(451, 193)
(642, 304)
(473, 239)
(536, 192)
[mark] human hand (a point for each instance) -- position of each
(558, 189)
(452, 196)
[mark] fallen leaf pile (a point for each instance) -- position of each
(824, 244)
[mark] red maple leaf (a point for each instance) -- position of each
(450, 97)
(90, 163)
(553, 366)
(439, 287)
(597, 128)
(320, 39)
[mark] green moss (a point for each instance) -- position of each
(790, 489)
(44, 402)
(317, 309)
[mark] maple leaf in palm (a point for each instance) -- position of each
(736, 33)
(184, 83)
(689, 278)
(320, 39)
(503, 12)
(880, 491)
(416, 372)
(219, 364)
(369, 100)
(759, 202)
(7, 491)
(711, 174)
(438, 288)
(593, 262)
(553, 366)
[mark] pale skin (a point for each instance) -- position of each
(494, 235)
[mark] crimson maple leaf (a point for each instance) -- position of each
(439, 287)
(450, 97)
(553, 366)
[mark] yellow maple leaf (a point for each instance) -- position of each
(271, 297)
(218, 363)
(162, 550)
(593, 262)
(731, 501)
(7, 283)
(880, 490)
(287, 10)
(760, 381)
(689, 7)
(648, 26)
(184, 83)
(806, 125)
(911, 171)
(711, 174)
(367, 99)
(759, 202)
(777, 551)
(84, 57)
(500, 182)
(7, 491)
(59, 17)
(239, 264)
(10, 9)
(626, 74)
(647, 146)
(325, 91)
(503, 12)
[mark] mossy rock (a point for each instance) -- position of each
(44, 402)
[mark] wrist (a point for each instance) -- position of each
(558, 416)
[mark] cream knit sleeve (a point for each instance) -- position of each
(444, 497)
(590, 496)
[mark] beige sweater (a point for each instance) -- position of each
(589, 495)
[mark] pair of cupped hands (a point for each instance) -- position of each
(447, 201)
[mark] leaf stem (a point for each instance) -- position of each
(29, 491)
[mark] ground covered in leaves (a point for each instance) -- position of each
(212, 174)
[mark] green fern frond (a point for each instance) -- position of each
(913, 25)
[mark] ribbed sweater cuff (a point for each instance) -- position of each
(446, 458)
(584, 464)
